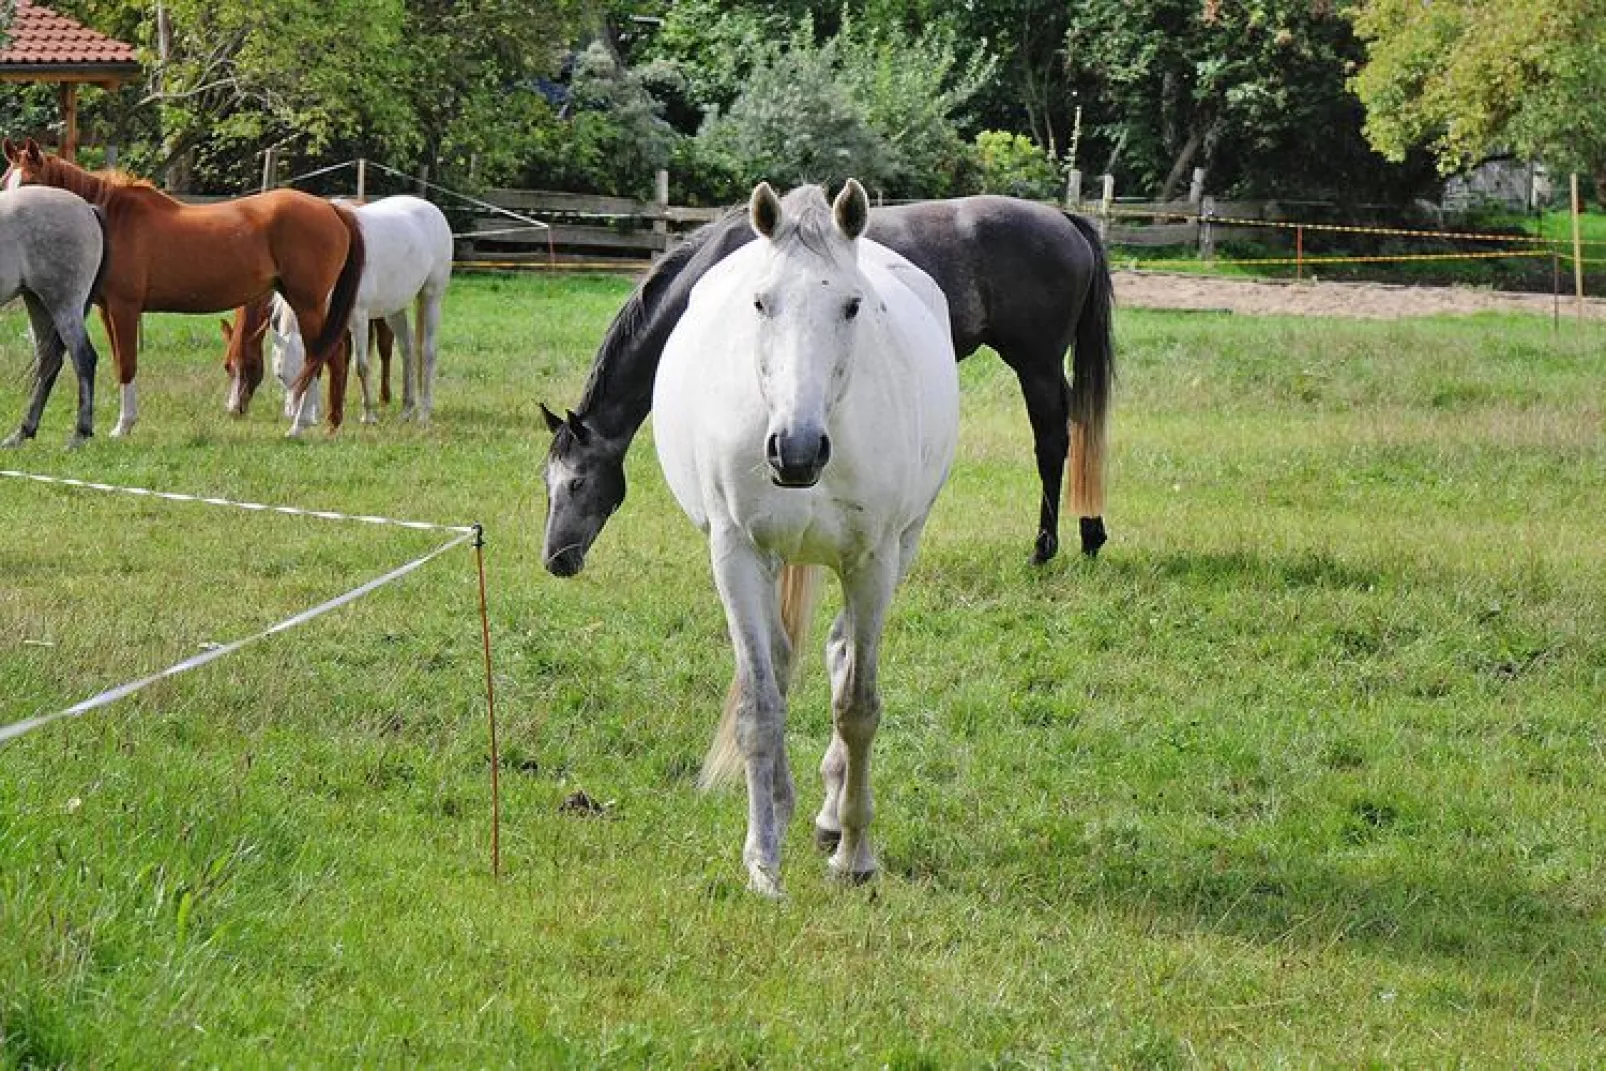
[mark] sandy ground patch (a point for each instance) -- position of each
(1163, 290)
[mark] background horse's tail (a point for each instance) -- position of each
(801, 586)
(341, 301)
(1092, 377)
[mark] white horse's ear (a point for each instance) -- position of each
(851, 209)
(764, 210)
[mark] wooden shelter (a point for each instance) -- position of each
(51, 48)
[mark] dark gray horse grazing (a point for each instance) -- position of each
(1023, 278)
(53, 251)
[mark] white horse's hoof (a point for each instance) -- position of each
(121, 430)
(848, 876)
(296, 430)
(370, 417)
(766, 881)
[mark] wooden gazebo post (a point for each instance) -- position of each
(49, 48)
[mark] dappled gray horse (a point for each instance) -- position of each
(52, 252)
(1021, 277)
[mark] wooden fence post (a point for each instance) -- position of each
(423, 179)
(1207, 235)
(270, 169)
(1073, 189)
(1578, 250)
(362, 179)
(660, 197)
(1196, 187)
(1106, 207)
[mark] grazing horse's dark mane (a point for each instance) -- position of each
(642, 303)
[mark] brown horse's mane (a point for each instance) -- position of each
(96, 187)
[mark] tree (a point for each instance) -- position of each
(1254, 91)
(1466, 78)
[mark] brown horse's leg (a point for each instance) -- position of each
(339, 372)
(121, 321)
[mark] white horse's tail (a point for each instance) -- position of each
(801, 587)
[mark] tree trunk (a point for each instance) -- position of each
(1183, 165)
(1599, 174)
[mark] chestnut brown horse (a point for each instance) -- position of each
(166, 256)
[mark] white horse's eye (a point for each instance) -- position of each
(852, 309)
(758, 303)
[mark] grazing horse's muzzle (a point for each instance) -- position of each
(566, 562)
(797, 459)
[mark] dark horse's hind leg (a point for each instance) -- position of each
(48, 350)
(1047, 395)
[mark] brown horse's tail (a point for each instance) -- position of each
(1092, 380)
(341, 301)
(800, 597)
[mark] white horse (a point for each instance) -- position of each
(806, 411)
(409, 260)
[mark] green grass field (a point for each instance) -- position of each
(1307, 768)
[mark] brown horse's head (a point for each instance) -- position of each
(24, 164)
(242, 353)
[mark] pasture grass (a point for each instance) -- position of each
(1306, 768)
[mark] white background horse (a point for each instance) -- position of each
(806, 411)
(409, 260)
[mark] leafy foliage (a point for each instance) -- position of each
(1467, 78)
(873, 102)
(1011, 165)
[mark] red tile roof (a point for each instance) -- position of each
(40, 37)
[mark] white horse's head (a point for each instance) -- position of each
(287, 351)
(807, 298)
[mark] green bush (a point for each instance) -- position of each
(1011, 164)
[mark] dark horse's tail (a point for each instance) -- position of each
(1092, 380)
(341, 301)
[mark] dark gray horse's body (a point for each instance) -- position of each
(52, 252)
(1023, 278)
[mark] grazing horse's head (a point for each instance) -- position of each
(807, 298)
(585, 483)
(24, 163)
(242, 354)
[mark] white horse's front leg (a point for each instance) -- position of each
(746, 581)
(359, 350)
(429, 324)
(834, 766)
(306, 410)
(856, 711)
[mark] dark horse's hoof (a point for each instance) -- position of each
(827, 839)
(1048, 545)
(1093, 535)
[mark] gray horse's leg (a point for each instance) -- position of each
(48, 350)
(1047, 394)
(84, 359)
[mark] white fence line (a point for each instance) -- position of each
(461, 534)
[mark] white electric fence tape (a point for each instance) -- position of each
(112, 695)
